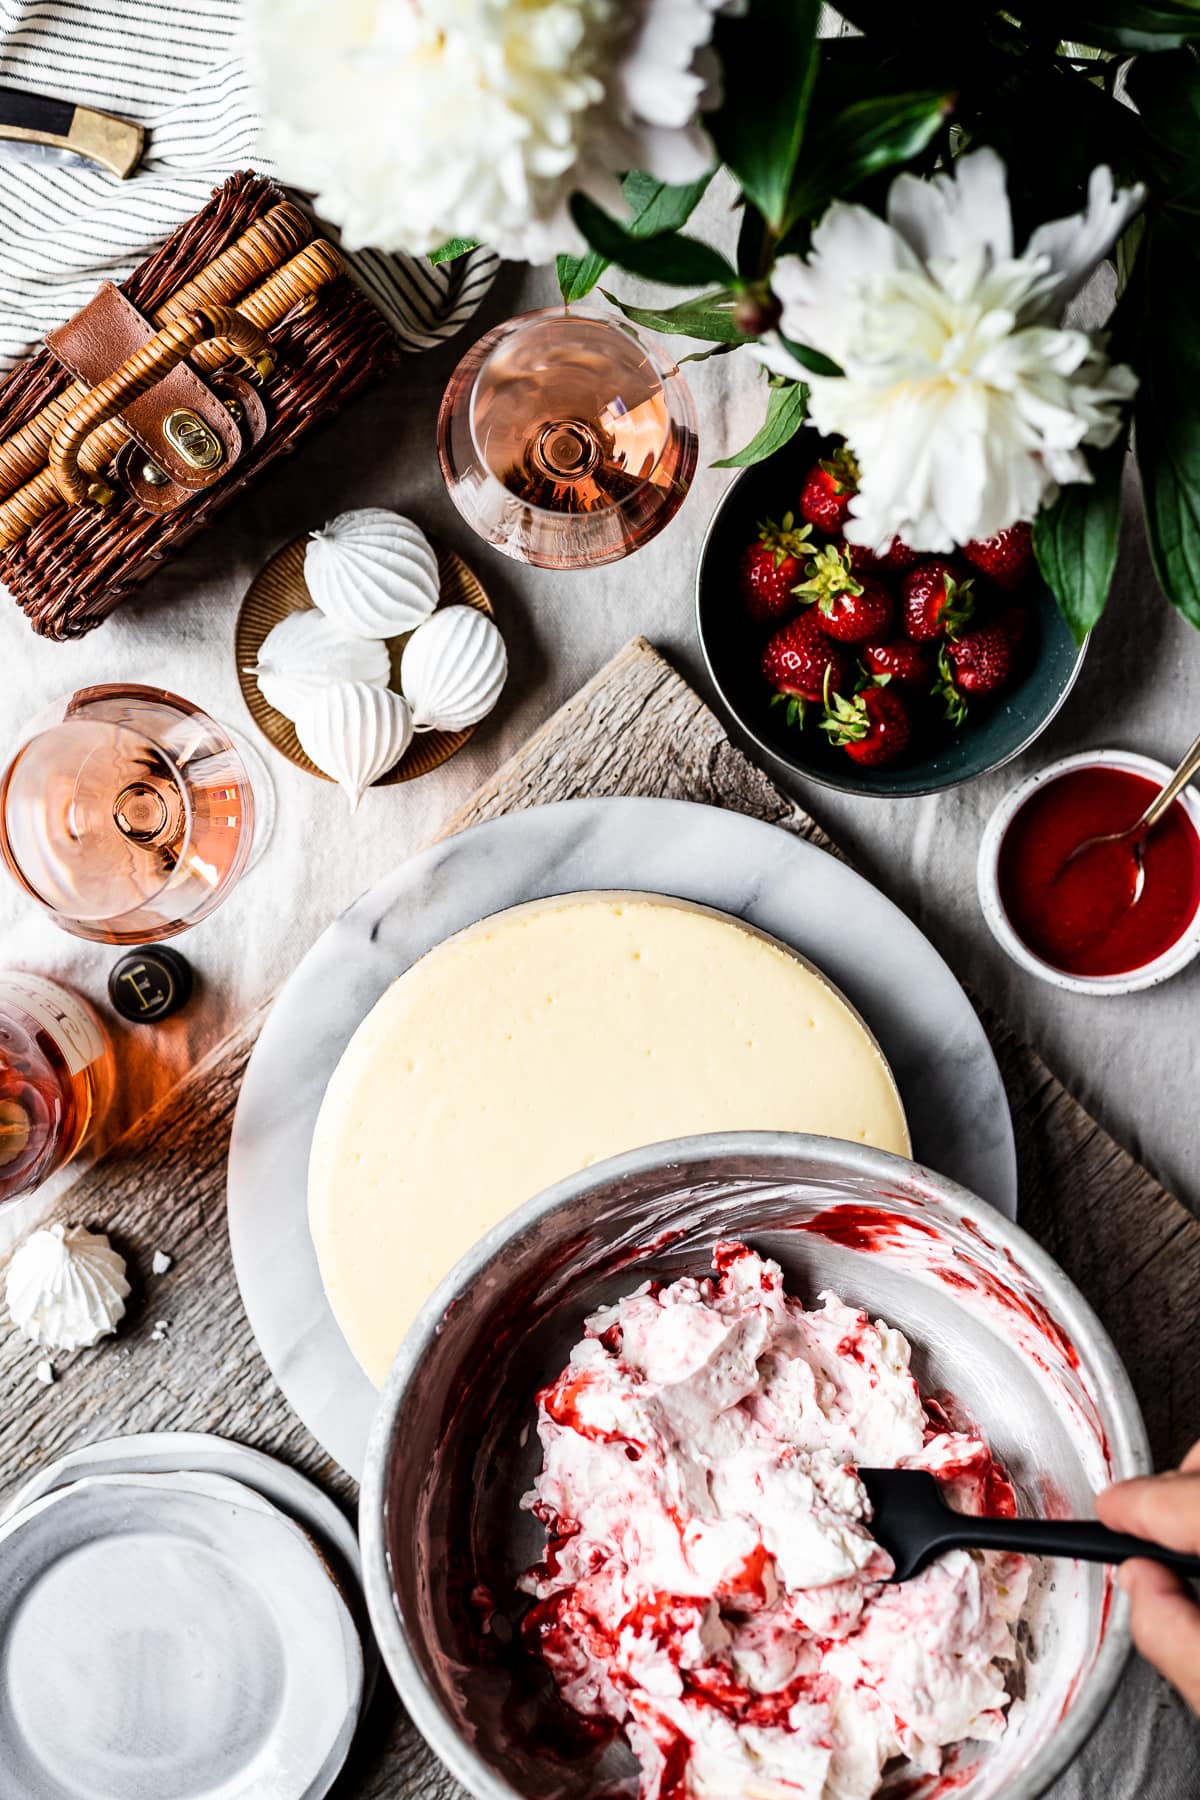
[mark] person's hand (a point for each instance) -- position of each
(1163, 1613)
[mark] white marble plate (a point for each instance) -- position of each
(174, 1452)
(170, 1637)
(926, 1027)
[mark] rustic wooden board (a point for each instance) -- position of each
(636, 728)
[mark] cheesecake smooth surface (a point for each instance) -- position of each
(542, 1040)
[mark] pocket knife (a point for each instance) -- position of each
(33, 127)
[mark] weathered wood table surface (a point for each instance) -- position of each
(636, 728)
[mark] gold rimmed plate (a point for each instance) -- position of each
(278, 590)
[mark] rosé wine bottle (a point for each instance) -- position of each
(56, 1074)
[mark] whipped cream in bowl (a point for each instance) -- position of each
(614, 1537)
(710, 1585)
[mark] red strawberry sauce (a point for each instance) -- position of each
(1078, 915)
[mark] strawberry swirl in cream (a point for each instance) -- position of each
(711, 1585)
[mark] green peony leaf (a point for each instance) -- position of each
(658, 205)
(1166, 91)
(1127, 24)
(452, 249)
(815, 361)
(787, 408)
(1166, 417)
(655, 206)
(768, 55)
(983, 28)
(710, 316)
(856, 143)
(667, 256)
(1075, 541)
(578, 275)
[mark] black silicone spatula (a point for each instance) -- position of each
(914, 1524)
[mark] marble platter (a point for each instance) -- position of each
(948, 1079)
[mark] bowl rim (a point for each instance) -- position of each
(1168, 962)
(1127, 1439)
(824, 778)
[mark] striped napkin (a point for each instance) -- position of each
(174, 67)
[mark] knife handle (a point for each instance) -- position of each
(115, 144)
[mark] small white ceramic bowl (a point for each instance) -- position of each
(1161, 968)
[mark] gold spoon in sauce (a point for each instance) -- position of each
(1135, 835)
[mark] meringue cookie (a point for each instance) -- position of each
(66, 1287)
(354, 732)
(373, 572)
(307, 650)
(453, 669)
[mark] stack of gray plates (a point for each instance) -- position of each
(179, 1616)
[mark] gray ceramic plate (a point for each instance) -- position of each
(733, 646)
(170, 1637)
(201, 1453)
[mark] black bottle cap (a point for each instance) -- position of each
(150, 984)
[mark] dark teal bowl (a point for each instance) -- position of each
(732, 648)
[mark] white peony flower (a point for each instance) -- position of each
(417, 121)
(964, 399)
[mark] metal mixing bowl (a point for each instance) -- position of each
(995, 1326)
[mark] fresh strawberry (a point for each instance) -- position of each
(901, 661)
(898, 557)
(828, 489)
(770, 568)
(801, 663)
(855, 609)
(982, 659)
(1005, 558)
(977, 663)
(937, 602)
(860, 560)
(873, 728)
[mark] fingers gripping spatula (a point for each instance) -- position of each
(914, 1524)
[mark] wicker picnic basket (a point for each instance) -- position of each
(162, 399)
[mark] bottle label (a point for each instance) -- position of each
(69, 1021)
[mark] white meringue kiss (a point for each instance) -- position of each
(372, 572)
(307, 650)
(66, 1287)
(453, 669)
(354, 732)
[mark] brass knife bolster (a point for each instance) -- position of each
(115, 144)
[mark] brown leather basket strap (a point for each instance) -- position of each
(268, 306)
(143, 369)
(275, 236)
(273, 302)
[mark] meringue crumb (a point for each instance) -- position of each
(44, 1372)
(161, 1262)
(161, 1328)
